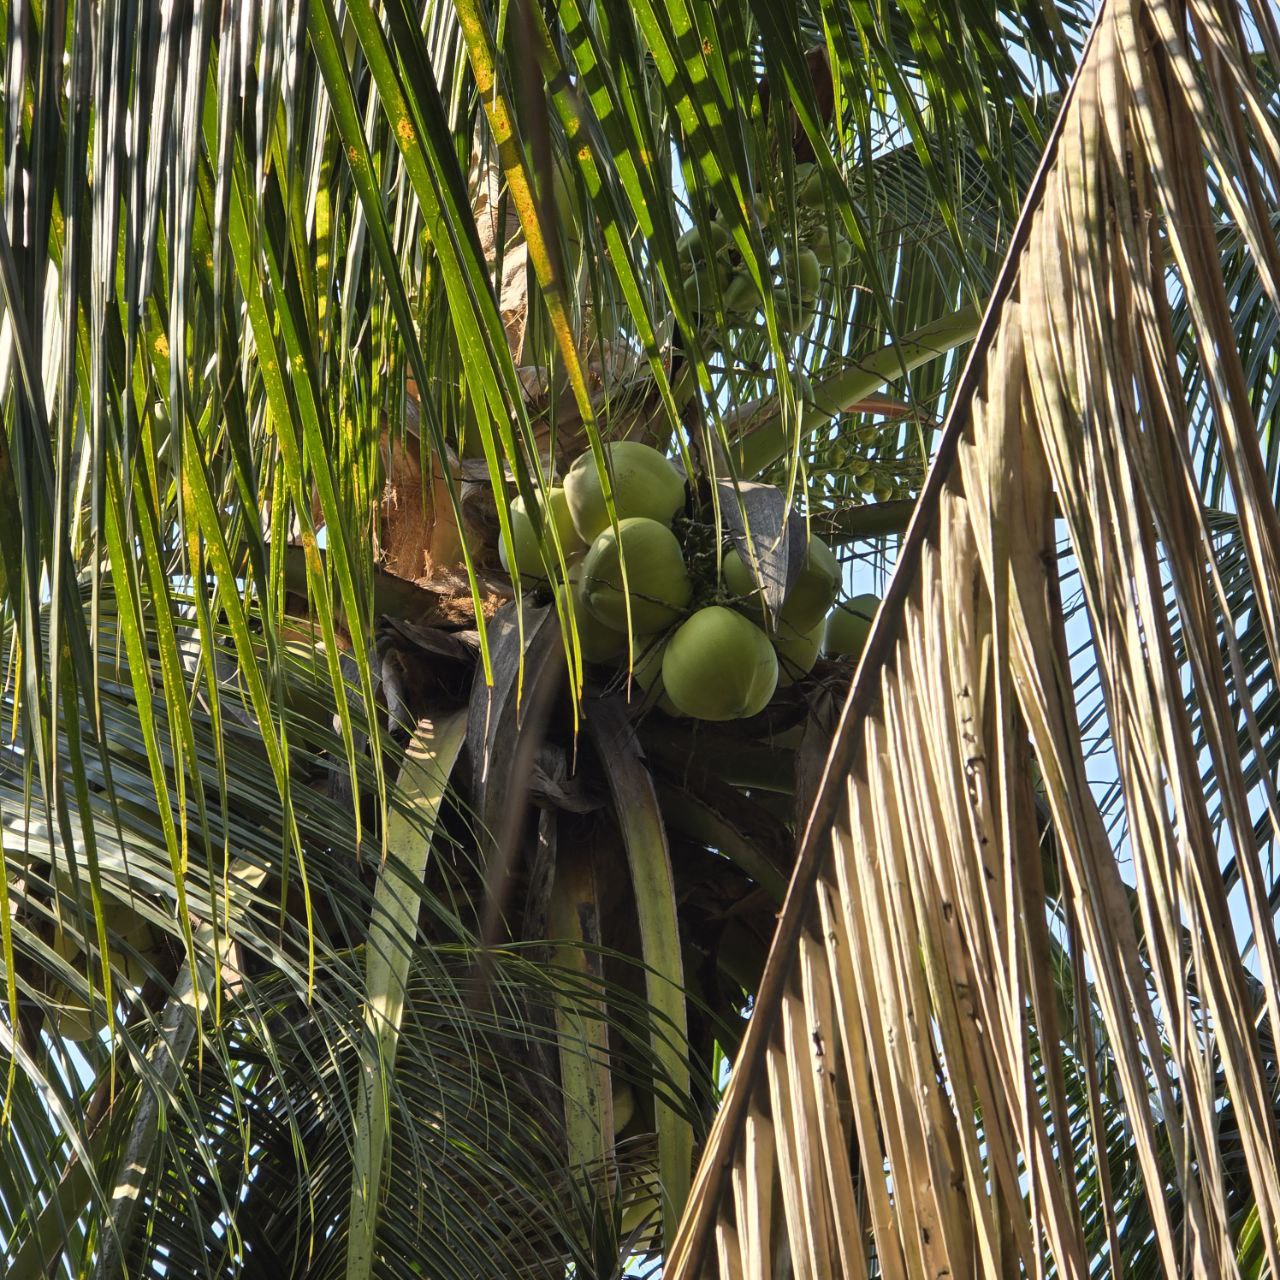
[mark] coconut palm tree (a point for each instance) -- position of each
(357, 919)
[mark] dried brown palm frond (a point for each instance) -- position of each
(936, 1058)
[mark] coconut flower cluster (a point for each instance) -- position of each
(716, 275)
(709, 651)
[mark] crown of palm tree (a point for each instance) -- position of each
(356, 920)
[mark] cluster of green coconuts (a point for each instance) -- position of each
(717, 659)
(712, 265)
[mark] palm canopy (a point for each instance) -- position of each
(331, 285)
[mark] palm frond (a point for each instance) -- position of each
(914, 1094)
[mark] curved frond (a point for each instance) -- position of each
(938, 1064)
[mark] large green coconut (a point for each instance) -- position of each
(811, 594)
(598, 642)
(795, 313)
(719, 666)
(797, 650)
(831, 250)
(803, 272)
(657, 582)
(527, 558)
(742, 296)
(693, 249)
(739, 581)
(126, 927)
(644, 484)
(814, 590)
(849, 626)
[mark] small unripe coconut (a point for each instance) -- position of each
(815, 588)
(808, 179)
(811, 194)
(831, 250)
(719, 237)
(693, 250)
(127, 960)
(849, 625)
(795, 314)
(598, 642)
(797, 650)
(719, 666)
(689, 247)
(658, 585)
(808, 272)
(523, 535)
(701, 285)
(644, 484)
(741, 297)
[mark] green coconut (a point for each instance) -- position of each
(693, 249)
(813, 193)
(525, 537)
(598, 642)
(741, 296)
(128, 960)
(795, 314)
(849, 626)
(719, 666)
(700, 284)
(739, 582)
(808, 186)
(831, 250)
(797, 650)
(72, 1017)
(647, 672)
(644, 484)
(814, 590)
(804, 268)
(658, 584)
(737, 576)
(646, 676)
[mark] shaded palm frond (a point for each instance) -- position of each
(937, 1063)
(215, 1127)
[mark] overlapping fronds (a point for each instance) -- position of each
(1019, 1018)
(220, 1129)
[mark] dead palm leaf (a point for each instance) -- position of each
(907, 1100)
